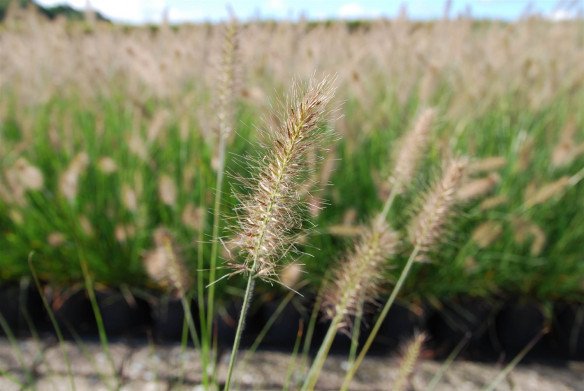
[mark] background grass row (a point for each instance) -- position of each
(175, 140)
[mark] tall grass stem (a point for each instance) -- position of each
(402, 278)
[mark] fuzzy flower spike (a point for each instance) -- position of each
(269, 218)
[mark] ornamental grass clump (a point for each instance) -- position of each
(359, 280)
(268, 218)
(425, 231)
(356, 282)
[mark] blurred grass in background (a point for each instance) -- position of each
(107, 133)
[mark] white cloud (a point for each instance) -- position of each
(562, 14)
(132, 11)
(355, 11)
(276, 5)
(180, 15)
(351, 10)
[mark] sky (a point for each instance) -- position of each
(151, 11)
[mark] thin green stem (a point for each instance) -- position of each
(292, 365)
(515, 361)
(402, 278)
(387, 205)
(320, 358)
(258, 340)
(313, 319)
(17, 350)
(240, 327)
(205, 331)
(449, 360)
(189, 319)
(54, 323)
(97, 314)
(215, 234)
(184, 340)
(268, 325)
(356, 331)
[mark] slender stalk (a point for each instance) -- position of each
(53, 323)
(402, 278)
(387, 205)
(313, 319)
(215, 234)
(205, 330)
(268, 326)
(240, 327)
(449, 360)
(16, 348)
(226, 90)
(97, 314)
(356, 333)
(184, 340)
(256, 343)
(292, 365)
(189, 319)
(515, 361)
(320, 358)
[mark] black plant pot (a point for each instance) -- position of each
(123, 316)
(283, 333)
(465, 321)
(517, 324)
(74, 314)
(17, 302)
(568, 331)
(168, 318)
(399, 326)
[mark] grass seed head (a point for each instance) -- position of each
(227, 83)
(411, 149)
(268, 218)
(486, 233)
(359, 279)
(546, 192)
(427, 226)
(478, 187)
(488, 164)
(69, 180)
(410, 357)
(167, 190)
(164, 264)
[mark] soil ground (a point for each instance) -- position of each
(143, 367)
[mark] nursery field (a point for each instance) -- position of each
(140, 162)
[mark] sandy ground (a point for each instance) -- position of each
(40, 365)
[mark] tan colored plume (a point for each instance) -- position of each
(410, 358)
(268, 217)
(426, 228)
(164, 264)
(359, 278)
(410, 151)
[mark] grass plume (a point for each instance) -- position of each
(268, 217)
